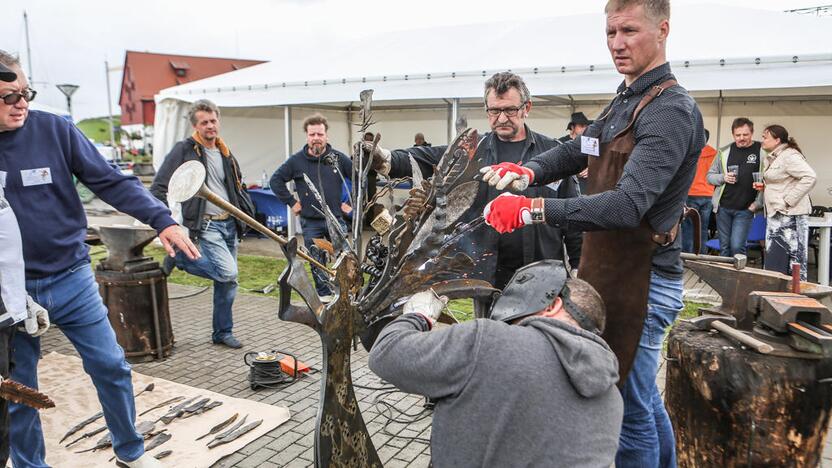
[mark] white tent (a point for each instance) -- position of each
(770, 66)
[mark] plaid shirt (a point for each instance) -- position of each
(669, 137)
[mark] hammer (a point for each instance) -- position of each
(738, 261)
(725, 325)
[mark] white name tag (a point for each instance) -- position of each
(3, 179)
(590, 146)
(555, 185)
(39, 176)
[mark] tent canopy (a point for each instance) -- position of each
(707, 49)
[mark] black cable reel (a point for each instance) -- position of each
(265, 369)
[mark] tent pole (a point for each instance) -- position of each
(453, 114)
(719, 117)
(287, 143)
(349, 126)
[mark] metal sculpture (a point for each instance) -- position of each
(419, 250)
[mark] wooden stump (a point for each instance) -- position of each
(735, 407)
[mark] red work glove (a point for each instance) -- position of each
(506, 174)
(508, 212)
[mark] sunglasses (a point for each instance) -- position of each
(13, 98)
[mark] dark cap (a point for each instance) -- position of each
(6, 74)
(578, 118)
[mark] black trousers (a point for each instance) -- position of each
(6, 335)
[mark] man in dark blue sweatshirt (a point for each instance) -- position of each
(39, 155)
(328, 169)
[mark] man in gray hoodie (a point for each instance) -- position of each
(532, 386)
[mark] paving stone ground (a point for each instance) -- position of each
(199, 363)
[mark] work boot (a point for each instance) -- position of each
(144, 461)
(230, 341)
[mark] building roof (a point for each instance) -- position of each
(146, 73)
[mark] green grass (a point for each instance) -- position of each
(98, 128)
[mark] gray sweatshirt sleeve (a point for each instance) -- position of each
(436, 364)
(715, 176)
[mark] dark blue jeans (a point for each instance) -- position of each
(732, 226)
(704, 206)
(646, 433)
(218, 246)
(316, 229)
(74, 305)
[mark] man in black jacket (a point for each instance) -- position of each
(507, 103)
(212, 227)
(328, 170)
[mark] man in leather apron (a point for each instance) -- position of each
(641, 153)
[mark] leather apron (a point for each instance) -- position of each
(618, 263)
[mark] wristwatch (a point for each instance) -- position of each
(538, 211)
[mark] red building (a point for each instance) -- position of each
(146, 73)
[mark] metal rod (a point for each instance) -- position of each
(110, 106)
(157, 330)
(796, 278)
(28, 47)
(239, 214)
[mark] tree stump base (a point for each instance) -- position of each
(735, 407)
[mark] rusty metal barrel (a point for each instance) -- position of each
(135, 291)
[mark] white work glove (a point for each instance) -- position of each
(37, 318)
(380, 157)
(507, 175)
(427, 304)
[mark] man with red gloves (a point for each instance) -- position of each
(642, 158)
(507, 104)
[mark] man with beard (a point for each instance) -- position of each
(214, 228)
(507, 105)
(327, 168)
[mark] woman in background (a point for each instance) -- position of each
(786, 182)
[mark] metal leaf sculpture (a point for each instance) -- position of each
(423, 253)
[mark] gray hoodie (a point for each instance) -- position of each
(541, 393)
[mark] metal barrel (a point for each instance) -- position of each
(137, 304)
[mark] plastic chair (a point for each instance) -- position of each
(756, 233)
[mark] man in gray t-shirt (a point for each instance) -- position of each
(210, 225)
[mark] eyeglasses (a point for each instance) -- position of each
(13, 98)
(508, 111)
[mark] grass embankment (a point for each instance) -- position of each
(98, 129)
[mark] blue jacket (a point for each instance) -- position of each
(37, 162)
(330, 185)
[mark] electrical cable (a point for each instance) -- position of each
(392, 415)
(185, 296)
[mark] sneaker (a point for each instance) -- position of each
(230, 341)
(168, 264)
(144, 461)
(327, 298)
